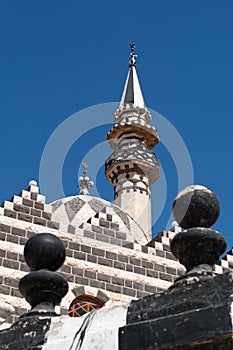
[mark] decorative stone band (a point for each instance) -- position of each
(128, 189)
(114, 168)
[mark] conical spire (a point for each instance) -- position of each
(132, 94)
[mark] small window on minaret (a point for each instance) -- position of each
(83, 304)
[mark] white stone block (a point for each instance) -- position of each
(34, 189)
(48, 208)
(8, 205)
(26, 194)
(165, 240)
(224, 263)
(18, 200)
(40, 198)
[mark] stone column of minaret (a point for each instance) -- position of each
(132, 168)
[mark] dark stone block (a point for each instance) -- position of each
(22, 241)
(96, 229)
(117, 280)
(123, 258)
(147, 264)
(111, 255)
(69, 252)
(12, 239)
(130, 292)
(159, 253)
(21, 258)
(24, 217)
(129, 268)
(109, 217)
(119, 265)
(5, 228)
(134, 261)
(158, 267)
(21, 208)
(11, 282)
(140, 294)
(36, 212)
(3, 236)
(114, 226)
(165, 277)
(166, 248)
(16, 293)
(2, 253)
(85, 249)
(129, 245)
(98, 252)
(92, 258)
(12, 256)
(150, 289)
(102, 296)
(10, 213)
(74, 246)
(53, 224)
(170, 256)
(65, 268)
(104, 223)
(4, 290)
(144, 249)
(109, 232)
(38, 205)
(11, 264)
(121, 235)
(152, 273)
(39, 221)
(113, 288)
(171, 271)
(102, 238)
(34, 196)
(97, 284)
(138, 286)
(77, 271)
(106, 262)
(89, 234)
(139, 270)
(24, 267)
(90, 274)
(81, 280)
(103, 277)
(18, 231)
(27, 202)
(78, 291)
(30, 234)
(128, 284)
(115, 241)
(80, 255)
(46, 216)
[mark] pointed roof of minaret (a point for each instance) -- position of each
(132, 94)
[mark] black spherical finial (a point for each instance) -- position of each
(196, 206)
(43, 288)
(44, 251)
(198, 247)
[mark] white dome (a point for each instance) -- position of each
(72, 213)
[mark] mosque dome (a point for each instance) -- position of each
(77, 213)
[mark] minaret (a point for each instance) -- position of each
(132, 168)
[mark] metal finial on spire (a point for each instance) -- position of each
(84, 183)
(132, 59)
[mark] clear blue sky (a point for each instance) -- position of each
(58, 57)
